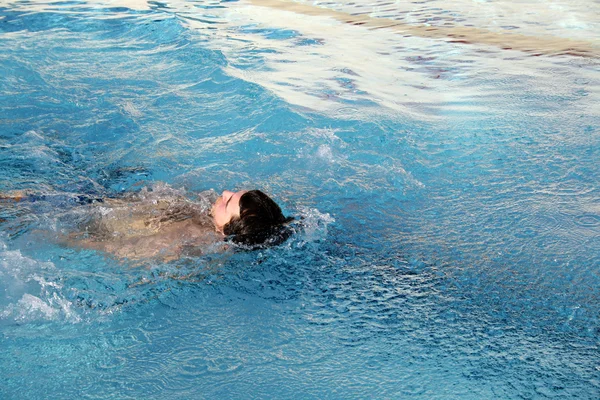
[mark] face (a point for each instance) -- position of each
(226, 207)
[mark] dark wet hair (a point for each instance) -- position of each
(261, 222)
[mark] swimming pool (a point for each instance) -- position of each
(446, 172)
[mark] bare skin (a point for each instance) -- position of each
(225, 208)
(162, 228)
(168, 243)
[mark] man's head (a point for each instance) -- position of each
(249, 218)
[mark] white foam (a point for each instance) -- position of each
(330, 151)
(30, 307)
(315, 223)
(324, 152)
(29, 290)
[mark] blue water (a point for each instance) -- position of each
(450, 249)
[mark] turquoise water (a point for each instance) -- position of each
(449, 193)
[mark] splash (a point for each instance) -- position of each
(30, 290)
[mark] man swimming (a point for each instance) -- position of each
(166, 225)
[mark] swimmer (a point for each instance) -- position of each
(168, 226)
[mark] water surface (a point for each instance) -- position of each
(448, 187)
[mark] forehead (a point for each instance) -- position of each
(237, 196)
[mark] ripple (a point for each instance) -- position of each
(571, 189)
(112, 364)
(194, 367)
(222, 365)
(588, 220)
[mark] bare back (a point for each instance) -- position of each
(149, 226)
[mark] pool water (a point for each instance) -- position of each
(442, 156)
